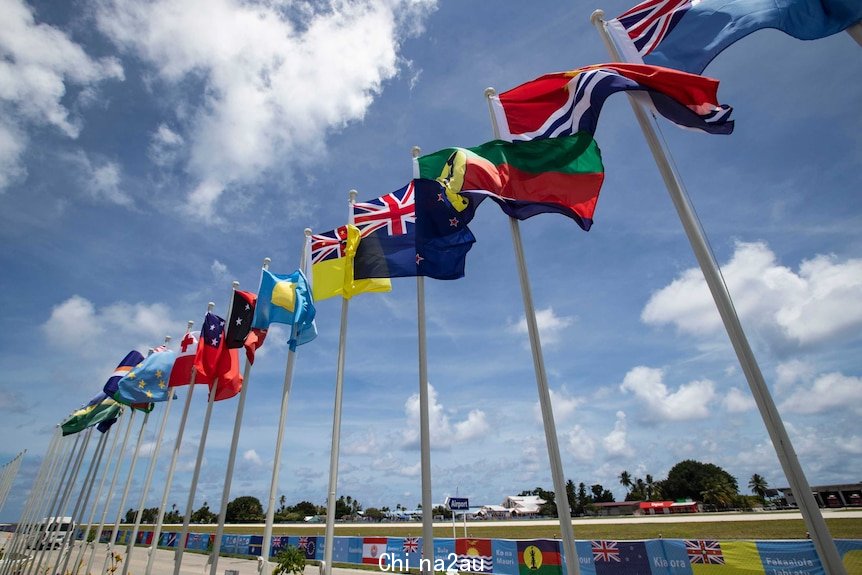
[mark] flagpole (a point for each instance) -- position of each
(157, 532)
(336, 418)
(130, 544)
(424, 416)
(181, 543)
(9, 477)
(110, 493)
(234, 444)
(85, 543)
(83, 498)
(814, 521)
(116, 530)
(563, 512)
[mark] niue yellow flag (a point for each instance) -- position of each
(332, 255)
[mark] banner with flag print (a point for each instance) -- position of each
(474, 555)
(308, 545)
(372, 549)
(539, 557)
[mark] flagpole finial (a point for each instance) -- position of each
(266, 262)
(189, 325)
(307, 232)
(597, 16)
(490, 92)
(415, 151)
(167, 339)
(351, 195)
(234, 284)
(210, 306)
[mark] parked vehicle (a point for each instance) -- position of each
(50, 532)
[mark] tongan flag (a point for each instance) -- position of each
(688, 34)
(132, 359)
(147, 381)
(564, 103)
(181, 374)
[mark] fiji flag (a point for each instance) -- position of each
(132, 359)
(147, 382)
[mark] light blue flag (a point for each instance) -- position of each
(286, 298)
(687, 34)
(147, 382)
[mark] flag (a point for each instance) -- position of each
(558, 175)
(372, 549)
(474, 555)
(332, 274)
(98, 409)
(414, 231)
(147, 382)
(564, 103)
(606, 551)
(284, 298)
(687, 35)
(105, 425)
(253, 341)
(308, 545)
(704, 551)
(736, 558)
(241, 315)
(214, 361)
(181, 374)
(539, 557)
(624, 558)
(132, 359)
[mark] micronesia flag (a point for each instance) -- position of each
(687, 34)
(132, 359)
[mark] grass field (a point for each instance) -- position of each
(841, 528)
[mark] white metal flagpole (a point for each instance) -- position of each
(110, 493)
(157, 531)
(336, 420)
(823, 542)
(181, 542)
(263, 560)
(130, 544)
(562, 502)
(424, 417)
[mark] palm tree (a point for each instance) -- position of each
(626, 479)
(281, 501)
(719, 492)
(650, 487)
(758, 485)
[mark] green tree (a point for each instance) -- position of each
(719, 492)
(600, 494)
(651, 488)
(583, 498)
(203, 515)
(130, 516)
(245, 509)
(374, 513)
(758, 486)
(304, 508)
(688, 479)
(571, 495)
(626, 480)
(289, 561)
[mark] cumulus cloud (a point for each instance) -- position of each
(444, 432)
(77, 319)
(37, 63)
(251, 456)
(579, 444)
(275, 81)
(219, 271)
(737, 400)
(564, 405)
(551, 326)
(827, 392)
(616, 442)
(791, 372)
(100, 179)
(165, 146)
(816, 304)
(690, 401)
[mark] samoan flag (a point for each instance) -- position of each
(132, 359)
(687, 35)
(414, 231)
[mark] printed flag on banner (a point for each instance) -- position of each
(147, 382)
(181, 374)
(332, 272)
(214, 361)
(284, 298)
(621, 558)
(241, 316)
(564, 103)
(414, 231)
(308, 545)
(372, 549)
(556, 175)
(474, 555)
(688, 34)
(98, 409)
(539, 557)
(132, 359)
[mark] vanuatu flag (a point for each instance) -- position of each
(539, 557)
(98, 409)
(558, 175)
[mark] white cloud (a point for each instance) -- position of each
(828, 392)
(579, 444)
(737, 400)
(816, 304)
(219, 271)
(444, 433)
(275, 81)
(791, 372)
(690, 401)
(37, 61)
(251, 456)
(551, 326)
(165, 146)
(563, 403)
(616, 442)
(100, 179)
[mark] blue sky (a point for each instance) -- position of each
(152, 153)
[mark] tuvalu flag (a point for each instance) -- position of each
(147, 381)
(556, 175)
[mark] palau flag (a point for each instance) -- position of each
(132, 359)
(100, 408)
(286, 298)
(688, 34)
(147, 382)
(414, 231)
(554, 175)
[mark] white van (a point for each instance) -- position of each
(50, 532)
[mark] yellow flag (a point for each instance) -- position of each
(334, 276)
(740, 558)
